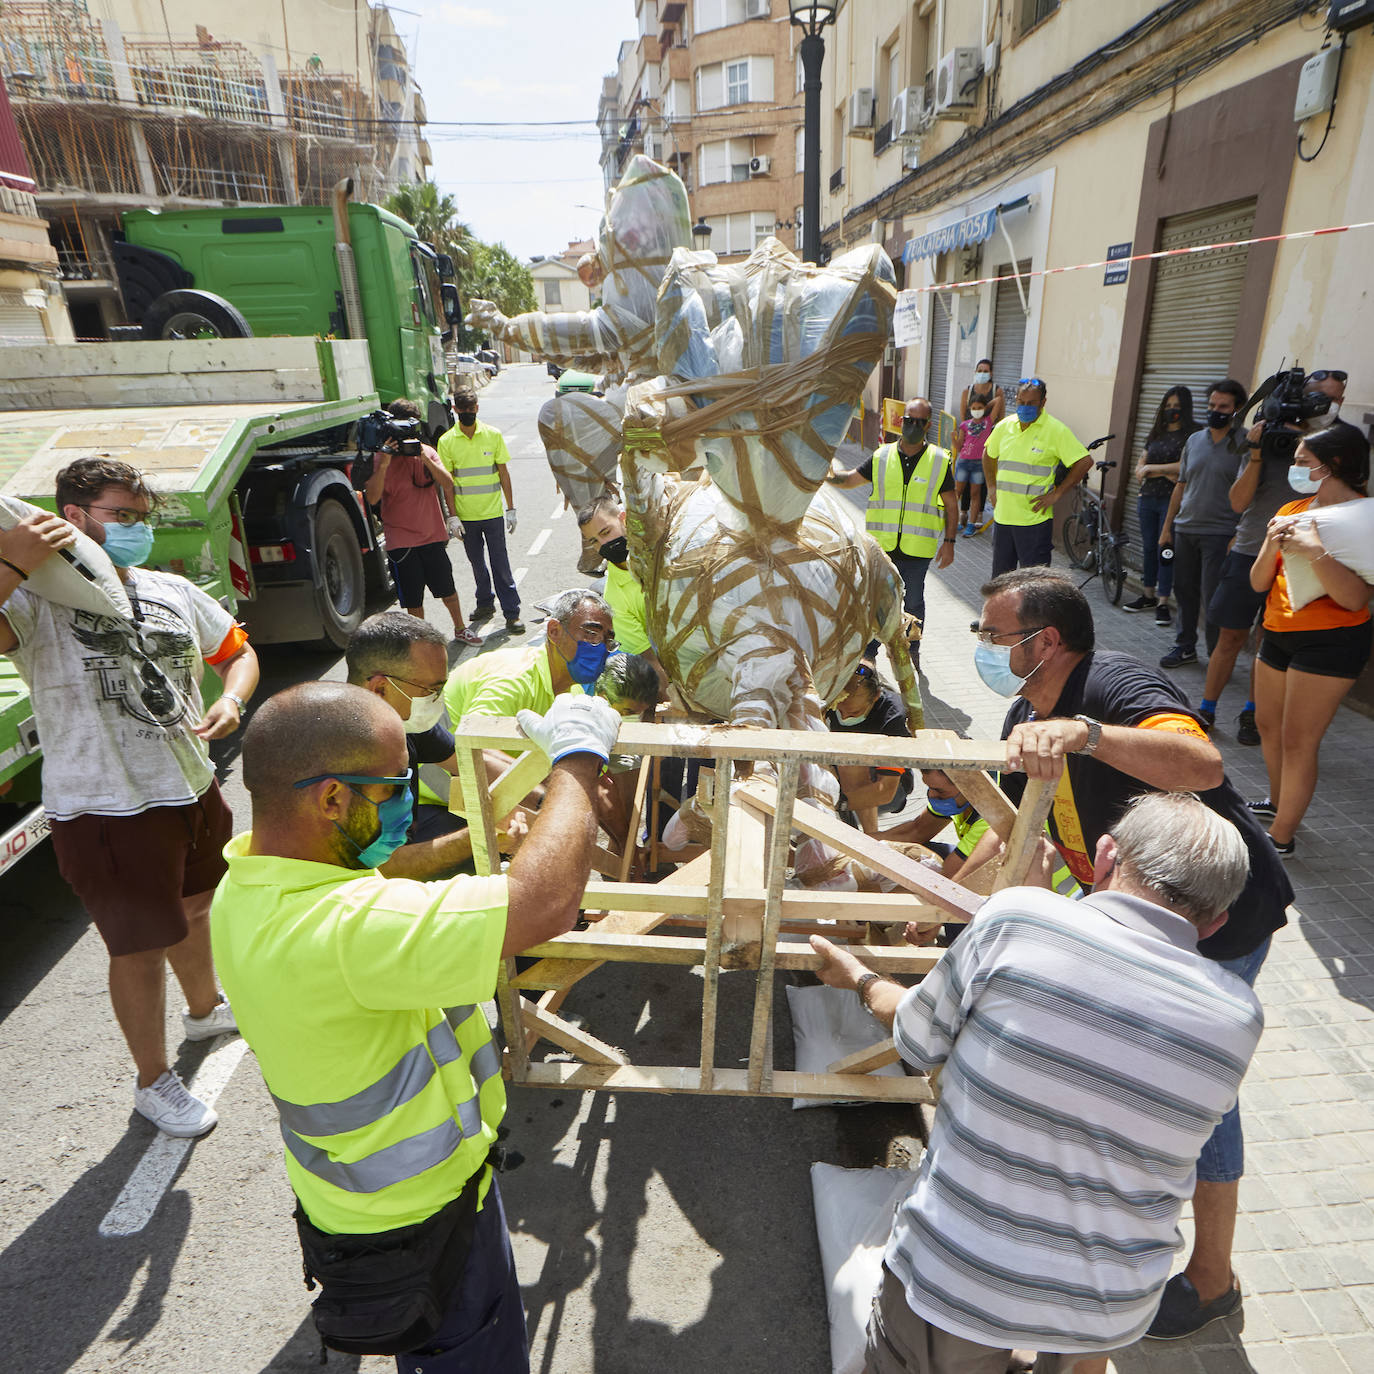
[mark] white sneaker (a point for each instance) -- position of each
(218, 1021)
(172, 1109)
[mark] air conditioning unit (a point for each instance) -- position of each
(956, 81)
(860, 111)
(758, 166)
(756, 9)
(910, 118)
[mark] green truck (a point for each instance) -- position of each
(261, 338)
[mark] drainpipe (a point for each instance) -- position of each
(348, 271)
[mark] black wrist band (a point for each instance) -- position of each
(15, 568)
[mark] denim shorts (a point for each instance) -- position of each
(1223, 1156)
(969, 470)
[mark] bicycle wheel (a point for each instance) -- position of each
(1077, 539)
(1113, 573)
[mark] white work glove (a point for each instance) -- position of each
(455, 527)
(510, 521)
(484, 315)
(573, 725)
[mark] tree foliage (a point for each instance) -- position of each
(434, 217)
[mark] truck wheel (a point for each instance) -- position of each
(191, 314)
(341, 590)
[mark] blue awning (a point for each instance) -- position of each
(964, 233)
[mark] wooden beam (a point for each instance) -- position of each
(632, 835)
(1026, 834)
(925, 749)
(744, 868)
(881, 857)
(877, 1056)
(989, 801)
(715, 924)
(586, 1047)
(780, 844)
(728, 1082)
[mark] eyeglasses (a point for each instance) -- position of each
(592, 633)
(431, 690)
(991, 636)
(863, 670)
(1326, 373)
(360, 778)
(1032, 381)
(127, 515)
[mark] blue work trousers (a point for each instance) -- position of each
(490, 536)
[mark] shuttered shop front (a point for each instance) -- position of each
(939, 351)
(1192, 326)
(1009, 332)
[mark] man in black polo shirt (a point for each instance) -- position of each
(1109, 727)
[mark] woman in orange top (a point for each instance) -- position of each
(1309, 658)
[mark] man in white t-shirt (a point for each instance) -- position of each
(138, 821)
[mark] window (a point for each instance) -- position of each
(740, 233)
(737, 82)
(726, 160)
(743, 80)
(890, 79)
(553, 293)
(1033, 11)
(716, 14)
(648, 17)
(801, 148)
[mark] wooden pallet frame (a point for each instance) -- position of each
(737, 892)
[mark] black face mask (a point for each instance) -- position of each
(1217, 419)
(615, 550)
(1172, 415)
(914, 431)
(467, 417)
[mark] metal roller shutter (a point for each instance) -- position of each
(1008, 332)
(20, 323)
(939, 351)
(1192, 326)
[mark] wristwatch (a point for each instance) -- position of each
(864, 980)
(1094, 735)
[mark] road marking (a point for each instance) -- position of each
(519, 575)
(559, 509)
(133, 1209)
(540, 540)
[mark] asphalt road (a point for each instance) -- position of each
(650, 1232)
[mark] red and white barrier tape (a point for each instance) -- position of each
(1143, 257)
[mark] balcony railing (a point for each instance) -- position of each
(836, 179)
(882, 139)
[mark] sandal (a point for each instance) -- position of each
(466, 636)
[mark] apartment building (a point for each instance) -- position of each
(711, 88)
(557, 287)
(1010, 138)
(124, 104)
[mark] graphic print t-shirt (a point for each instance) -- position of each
(114, 701)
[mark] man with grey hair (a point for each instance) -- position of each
(1088, 1051)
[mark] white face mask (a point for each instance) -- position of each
(982, 378)
(425, 711)
(977, 412)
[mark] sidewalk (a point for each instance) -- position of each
(1304, 1249)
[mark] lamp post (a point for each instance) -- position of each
(811, 16)
(701, 234)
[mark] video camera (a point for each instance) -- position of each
(1284, 401)
(376, 429)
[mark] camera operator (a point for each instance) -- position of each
(1294, 406)
(406, 480)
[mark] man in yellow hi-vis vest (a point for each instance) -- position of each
(389, 1105)
(912, 512)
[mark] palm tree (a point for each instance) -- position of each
(434, 218)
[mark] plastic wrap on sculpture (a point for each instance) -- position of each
(581, 438)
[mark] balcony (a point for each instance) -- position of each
(882, 139)
(836, 179)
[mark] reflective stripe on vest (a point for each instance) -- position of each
(405, 1158)
(912, 513)
(1018, 484)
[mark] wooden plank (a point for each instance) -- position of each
(674, 896)
(512, 1007)
(744, 868)
(715, 922)
(929, 749)
(593, 945)
(586, 1047)
(669, 895)
(824, 825)
(550, 1002)
(780, 843)
(877, 1056)
(632, 835)
(728, 1082)
(1026, 834)
(989, 801)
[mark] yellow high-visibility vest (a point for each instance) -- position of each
(908, 517)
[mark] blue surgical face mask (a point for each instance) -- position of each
(1302, 481)
(585, 666)
(946, 806)
(394, 816)
(127, 546)
(993, 662)
(982, 378)
(1028, 415)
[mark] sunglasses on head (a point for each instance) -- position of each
(863, 670)
(1031, 381)
(1324, 374)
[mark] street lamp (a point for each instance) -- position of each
(811, 16)
(701, 234)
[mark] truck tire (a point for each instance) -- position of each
(192, 314)
(341, 586)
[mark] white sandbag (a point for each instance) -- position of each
(827, 1024)
(1347, 534)
(81, 576)
(854, 1211)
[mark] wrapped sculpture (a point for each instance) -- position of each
(646, 219)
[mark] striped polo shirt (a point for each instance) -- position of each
(1088, 1052)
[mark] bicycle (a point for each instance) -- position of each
(1088, 539)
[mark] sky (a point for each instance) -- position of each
(501, 61)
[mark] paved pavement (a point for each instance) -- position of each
(1304, 1248)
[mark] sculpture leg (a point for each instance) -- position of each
(900, 653)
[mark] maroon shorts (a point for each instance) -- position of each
(131, 872)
